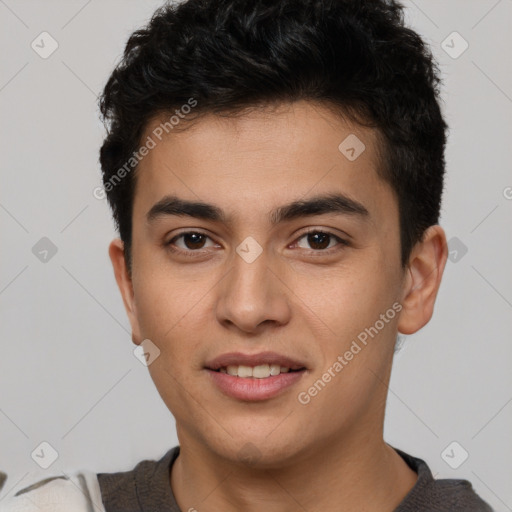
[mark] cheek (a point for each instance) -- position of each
(170, 315)
(350, 302)
(349, 297)
(169, 310)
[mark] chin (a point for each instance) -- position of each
(259, 451)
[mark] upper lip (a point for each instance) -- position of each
(239, 358)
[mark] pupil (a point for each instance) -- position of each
(196, 242)
(323, 236)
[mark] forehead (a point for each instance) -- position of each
(259, 158)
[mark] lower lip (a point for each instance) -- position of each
(253, 389)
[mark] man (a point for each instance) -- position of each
(275, 171)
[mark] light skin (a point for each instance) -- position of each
(305, 297)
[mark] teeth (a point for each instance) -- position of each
(261, 371)
(245, 371)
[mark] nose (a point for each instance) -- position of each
(253, 295)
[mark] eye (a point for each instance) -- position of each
(321, 241)
(192, 241)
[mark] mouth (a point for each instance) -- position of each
(262, 371)
(253, 389)
(252, 377)
(259, 366)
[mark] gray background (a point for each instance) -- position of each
(68, 375)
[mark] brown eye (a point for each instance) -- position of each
(190, 241)
(193, 240)
(320, 240)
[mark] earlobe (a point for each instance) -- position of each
(125, 285)
(423, 279)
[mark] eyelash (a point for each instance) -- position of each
(193, 253)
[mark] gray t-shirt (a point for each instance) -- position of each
(147, 488)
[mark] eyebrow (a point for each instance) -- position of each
(339, 204)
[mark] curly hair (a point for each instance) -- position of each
(355, 55)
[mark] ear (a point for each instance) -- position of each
(422, 280)
(124, 282)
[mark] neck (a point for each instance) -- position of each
(351, 474)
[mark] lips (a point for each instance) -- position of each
(239, 358)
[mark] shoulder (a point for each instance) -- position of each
(60, 493)
(453, 494)
(145, 487)
(443, 495)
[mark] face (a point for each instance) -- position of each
(319, 282)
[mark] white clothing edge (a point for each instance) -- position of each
(79, 492)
